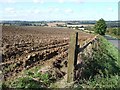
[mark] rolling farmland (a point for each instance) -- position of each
(26, 47)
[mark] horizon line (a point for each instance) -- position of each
(56, 20)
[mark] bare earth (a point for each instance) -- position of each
(26, 47)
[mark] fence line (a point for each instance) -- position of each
(74, 49)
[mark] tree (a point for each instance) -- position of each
(100, 27)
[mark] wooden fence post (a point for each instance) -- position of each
(72, 56)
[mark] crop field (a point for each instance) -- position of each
(26, 47)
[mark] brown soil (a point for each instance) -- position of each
(26, 47)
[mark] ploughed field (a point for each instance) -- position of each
(26, 47)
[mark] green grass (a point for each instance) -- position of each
(114, 32)
(29, 79)
(25, 82)
(102, 70)
(100, 82)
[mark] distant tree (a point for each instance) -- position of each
(100, 27)
(118, 31)
(77, 27)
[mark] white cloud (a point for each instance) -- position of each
(61, 1)
(14, 1)
(53, 9)
(11, 1)
(57, 1)
(36, 11)
(71, 1)
(102, 1)
(38, 1)
(78, 1)
(110, 9)
(68, 11)
(9, 13)
(8, 1)
(9, 10)
(43, 1)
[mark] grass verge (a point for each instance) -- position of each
(102, 69)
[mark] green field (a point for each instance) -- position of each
(115, 32)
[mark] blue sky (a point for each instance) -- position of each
(37, 10)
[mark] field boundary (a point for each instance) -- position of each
(74, 50)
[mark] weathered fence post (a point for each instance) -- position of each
(72, 56)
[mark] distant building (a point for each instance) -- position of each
(73, 26)
(56, 24)
(80, 26)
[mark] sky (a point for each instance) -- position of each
(39, 10)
